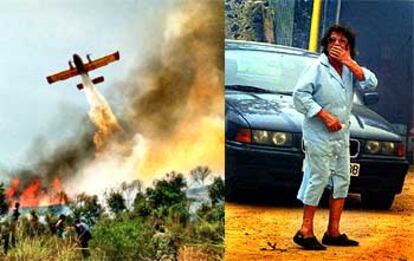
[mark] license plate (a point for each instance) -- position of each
(354, 169)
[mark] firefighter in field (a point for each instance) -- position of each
(34, 223)
(13, 223)
(5, 233)
(59, 227)
(83, 235)
(8, 228)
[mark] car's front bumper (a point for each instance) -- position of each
(380, 175)
(253, 167)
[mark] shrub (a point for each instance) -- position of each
(123, 238)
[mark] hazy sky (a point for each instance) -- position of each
(38, 37)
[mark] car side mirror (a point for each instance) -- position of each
(371, 98)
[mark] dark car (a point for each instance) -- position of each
(263, 130)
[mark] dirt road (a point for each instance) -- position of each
(254, 226)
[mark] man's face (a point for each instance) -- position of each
(337, 39)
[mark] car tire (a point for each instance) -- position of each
(377, 200)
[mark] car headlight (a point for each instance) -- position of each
(372, 147)
(281, 138)
(384, 148)
(272, 138)
(388, 148)
(261, 136)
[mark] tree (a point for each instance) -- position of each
(216, 190)
(167, 192)
(129, 189)
(116, 202)
(141, 205)
(4, 206)
(200, 174)
(86, 206)
(62, 197)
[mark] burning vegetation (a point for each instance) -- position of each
(34, 195)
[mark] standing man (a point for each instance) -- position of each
(8, 228)
(14, 222)
(34, 224)
(5, 233)
(324, 94)
(83, 236)
(59, 227)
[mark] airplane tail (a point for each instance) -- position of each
(94, 81)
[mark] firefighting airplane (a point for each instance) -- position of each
(82, 69)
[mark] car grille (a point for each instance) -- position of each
(354, 147)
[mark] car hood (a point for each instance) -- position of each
(276, 112)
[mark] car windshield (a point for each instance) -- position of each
(263, 70)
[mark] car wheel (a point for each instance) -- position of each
(377, 200)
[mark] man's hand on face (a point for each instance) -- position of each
(340, 54)
(331, 122)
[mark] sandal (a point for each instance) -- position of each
(308, 243)
(341, 240)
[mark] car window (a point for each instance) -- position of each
(268, 70)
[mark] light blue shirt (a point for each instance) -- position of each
(320, 86)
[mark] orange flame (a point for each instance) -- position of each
(11, 190)
(34, 194)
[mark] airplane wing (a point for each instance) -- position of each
(102, 61)
(62, 75)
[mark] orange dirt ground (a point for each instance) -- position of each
(252, 226)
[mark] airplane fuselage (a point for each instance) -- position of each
(78, 67)
(79, 64)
